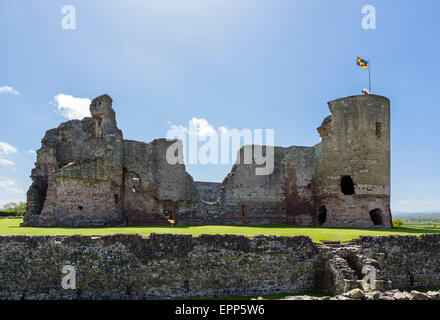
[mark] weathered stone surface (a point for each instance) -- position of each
(356, 294)
(372, 295)
(208, 190)
(87, 174)
(355, 144)
(305, 187)
(416, 295)
(159, 267)
(433, 295)
(164, 266)
(407, 261)
(402, 296)
(301, 298)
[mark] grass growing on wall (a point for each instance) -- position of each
(11, 227)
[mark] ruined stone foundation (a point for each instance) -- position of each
(164, 266)
(87, 174)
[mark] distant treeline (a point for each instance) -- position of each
(13, 209)
(10, 213)
(419, 218)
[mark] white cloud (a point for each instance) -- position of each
(178, 127)
(6, 148)
(7, 89)
(32, 151)
(223, 130)
(9, 185)
(200, 127)
(4, 162)
(71, 107)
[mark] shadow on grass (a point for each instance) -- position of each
(262, 227)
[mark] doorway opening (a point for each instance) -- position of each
(347, 185)
(322, 215)
(376, 217)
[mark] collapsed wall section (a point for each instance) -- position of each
(285, 196)
(155, 190)
(76, 176)
(87, 175)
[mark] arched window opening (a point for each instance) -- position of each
(376, 217)
(347, 185)
(322, 215)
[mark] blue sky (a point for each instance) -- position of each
(235, 63)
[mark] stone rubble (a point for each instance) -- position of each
(357, 294)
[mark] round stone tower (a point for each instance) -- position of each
(352, 180)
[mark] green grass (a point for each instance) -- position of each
(11, 227)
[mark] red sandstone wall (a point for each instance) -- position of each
(351, 146)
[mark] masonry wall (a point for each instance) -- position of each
(158, 267)
(356, 144)
(86, 174)
(208, 190)
(154, 189)
(79, 165)
(180, 266)
(410, 262)
(283, 197)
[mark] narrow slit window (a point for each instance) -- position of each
(378, 129)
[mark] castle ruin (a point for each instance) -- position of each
(87, 174)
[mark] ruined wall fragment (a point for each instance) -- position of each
(87, 175)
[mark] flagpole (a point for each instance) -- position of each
(369, 75)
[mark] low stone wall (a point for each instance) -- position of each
(164, 266)
(216, 213)
(159, 267)
(410, 262)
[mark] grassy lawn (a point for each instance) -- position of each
(11, 227)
